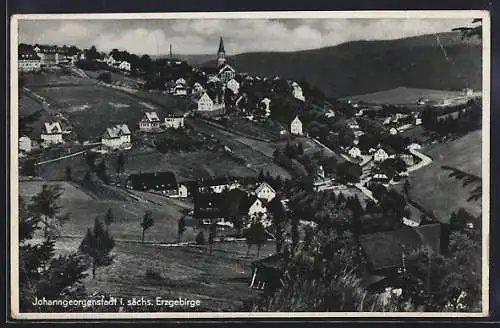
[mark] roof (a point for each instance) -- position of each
(153, 180)
(226, 67)
(385, 250)
(28, 55)
(116, 131)
(262, 186)
(296, 119)
(152, 116)
(52, 128)
(208, 205)
(221, 46)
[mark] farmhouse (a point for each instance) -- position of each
(265, 105)
(209, 208)
(233, 85)
(380, 155)
(52, 133)
(163, 182)
(257, 207)
(125, 66)
(386, 251)
(174, 121)
(28, 61)
(218, 185)
(117, 136)
(24, 144)
(149, 122)
(110, 60)
(205, 103)
(354, 152)
(393, 131)
(297, 91)
(265, 192)
(180, 90)
(267, 274)
(296, 126)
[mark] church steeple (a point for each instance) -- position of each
(221, 53)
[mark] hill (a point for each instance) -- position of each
(435, 190)
(443, 61)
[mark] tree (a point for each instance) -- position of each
(256, 235)
(109, 217)
(212, 235)
(200, 238)
(406, 188)
(147, 222)
(68, 173)
(45, 206)
(467, 179)
(41, 273)
(120, 166)
(181, 228)
(97, 244)
(279, 221)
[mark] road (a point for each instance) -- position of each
(424, 160)
(66, 156)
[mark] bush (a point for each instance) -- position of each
(200, 238)
(153, 273)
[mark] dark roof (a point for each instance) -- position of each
(384, 249)
(216, 181)
(208, 205)
(153, 181)
(221, 46)
(274, 261)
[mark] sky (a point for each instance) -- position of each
(201, 36)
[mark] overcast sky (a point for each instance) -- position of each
(240, 35)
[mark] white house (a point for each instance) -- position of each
(226, 73)
(180, 90)
(149, 122)
(233, 85)
(265, 191)
(110, 61)
(296, 126)
(25, 144)
(353, 124)
(393, 131)
(125, 66)
(297, 91)
(330, 114)
(257, 209)
(380, 155)
(354, 152)
(117, 136)
(418, 121)
(266, 103)
(174, 121)
(180, 81)
(28, 62)
(205, 103)
(52, 133)
(198, 88)
(183, 191)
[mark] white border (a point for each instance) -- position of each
(250, 15)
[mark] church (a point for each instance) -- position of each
(224, 70)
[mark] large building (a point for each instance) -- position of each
(225, 71)
(149, 122)
(52, 133)
(174, 121)
(28, 61)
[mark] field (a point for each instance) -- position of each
(28, 106)
(219, 281)
(405, 96)
(185, 165)
(431, 186)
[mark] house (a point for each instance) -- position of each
(28, 61)
(265, 104)
(50, 55)
(415, 146)
(198, 88)
(330, 114)
(110, 60)
(116, 136)
(180, 90)
(149, 122)
(218, 185)
(205, 103)
(257, 208)
(125, 66)
(187, 188)
(297, 91)
(380, 177)
(24, 144)
(267, 273)
(180, 81)
(163, 182)
(296, 126)
(265, 192)
(174, 121)
(387, 120)
(226, 73)
(233, 85)
(353, 124)
(380, 155)
(386, 251)
(407, 158)
(354, 152)
(182, 191)
(52, 133)
(393, 131)
(209, 208)
(412, 222)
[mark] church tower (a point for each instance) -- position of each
(221, 54)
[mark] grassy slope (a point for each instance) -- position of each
(368, 66)
(431, 185)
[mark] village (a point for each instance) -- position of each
(277, 140)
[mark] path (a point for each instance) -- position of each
(67, 156)
(424, 160)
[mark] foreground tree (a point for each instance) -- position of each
(45, 206)
(181, 228)
(147, 222)
(109, 217)
(98, 244)
(41, 273)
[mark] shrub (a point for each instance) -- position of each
(200, 238)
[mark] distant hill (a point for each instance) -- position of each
(442, 61)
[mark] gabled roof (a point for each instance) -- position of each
(225, 68)
(385, 250)
(153, 180)
(296, 119)
(52, 128)
(205, 96)
(117, 131)
(262, 186)
(152, 116)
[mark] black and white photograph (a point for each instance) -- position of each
(250, 164)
